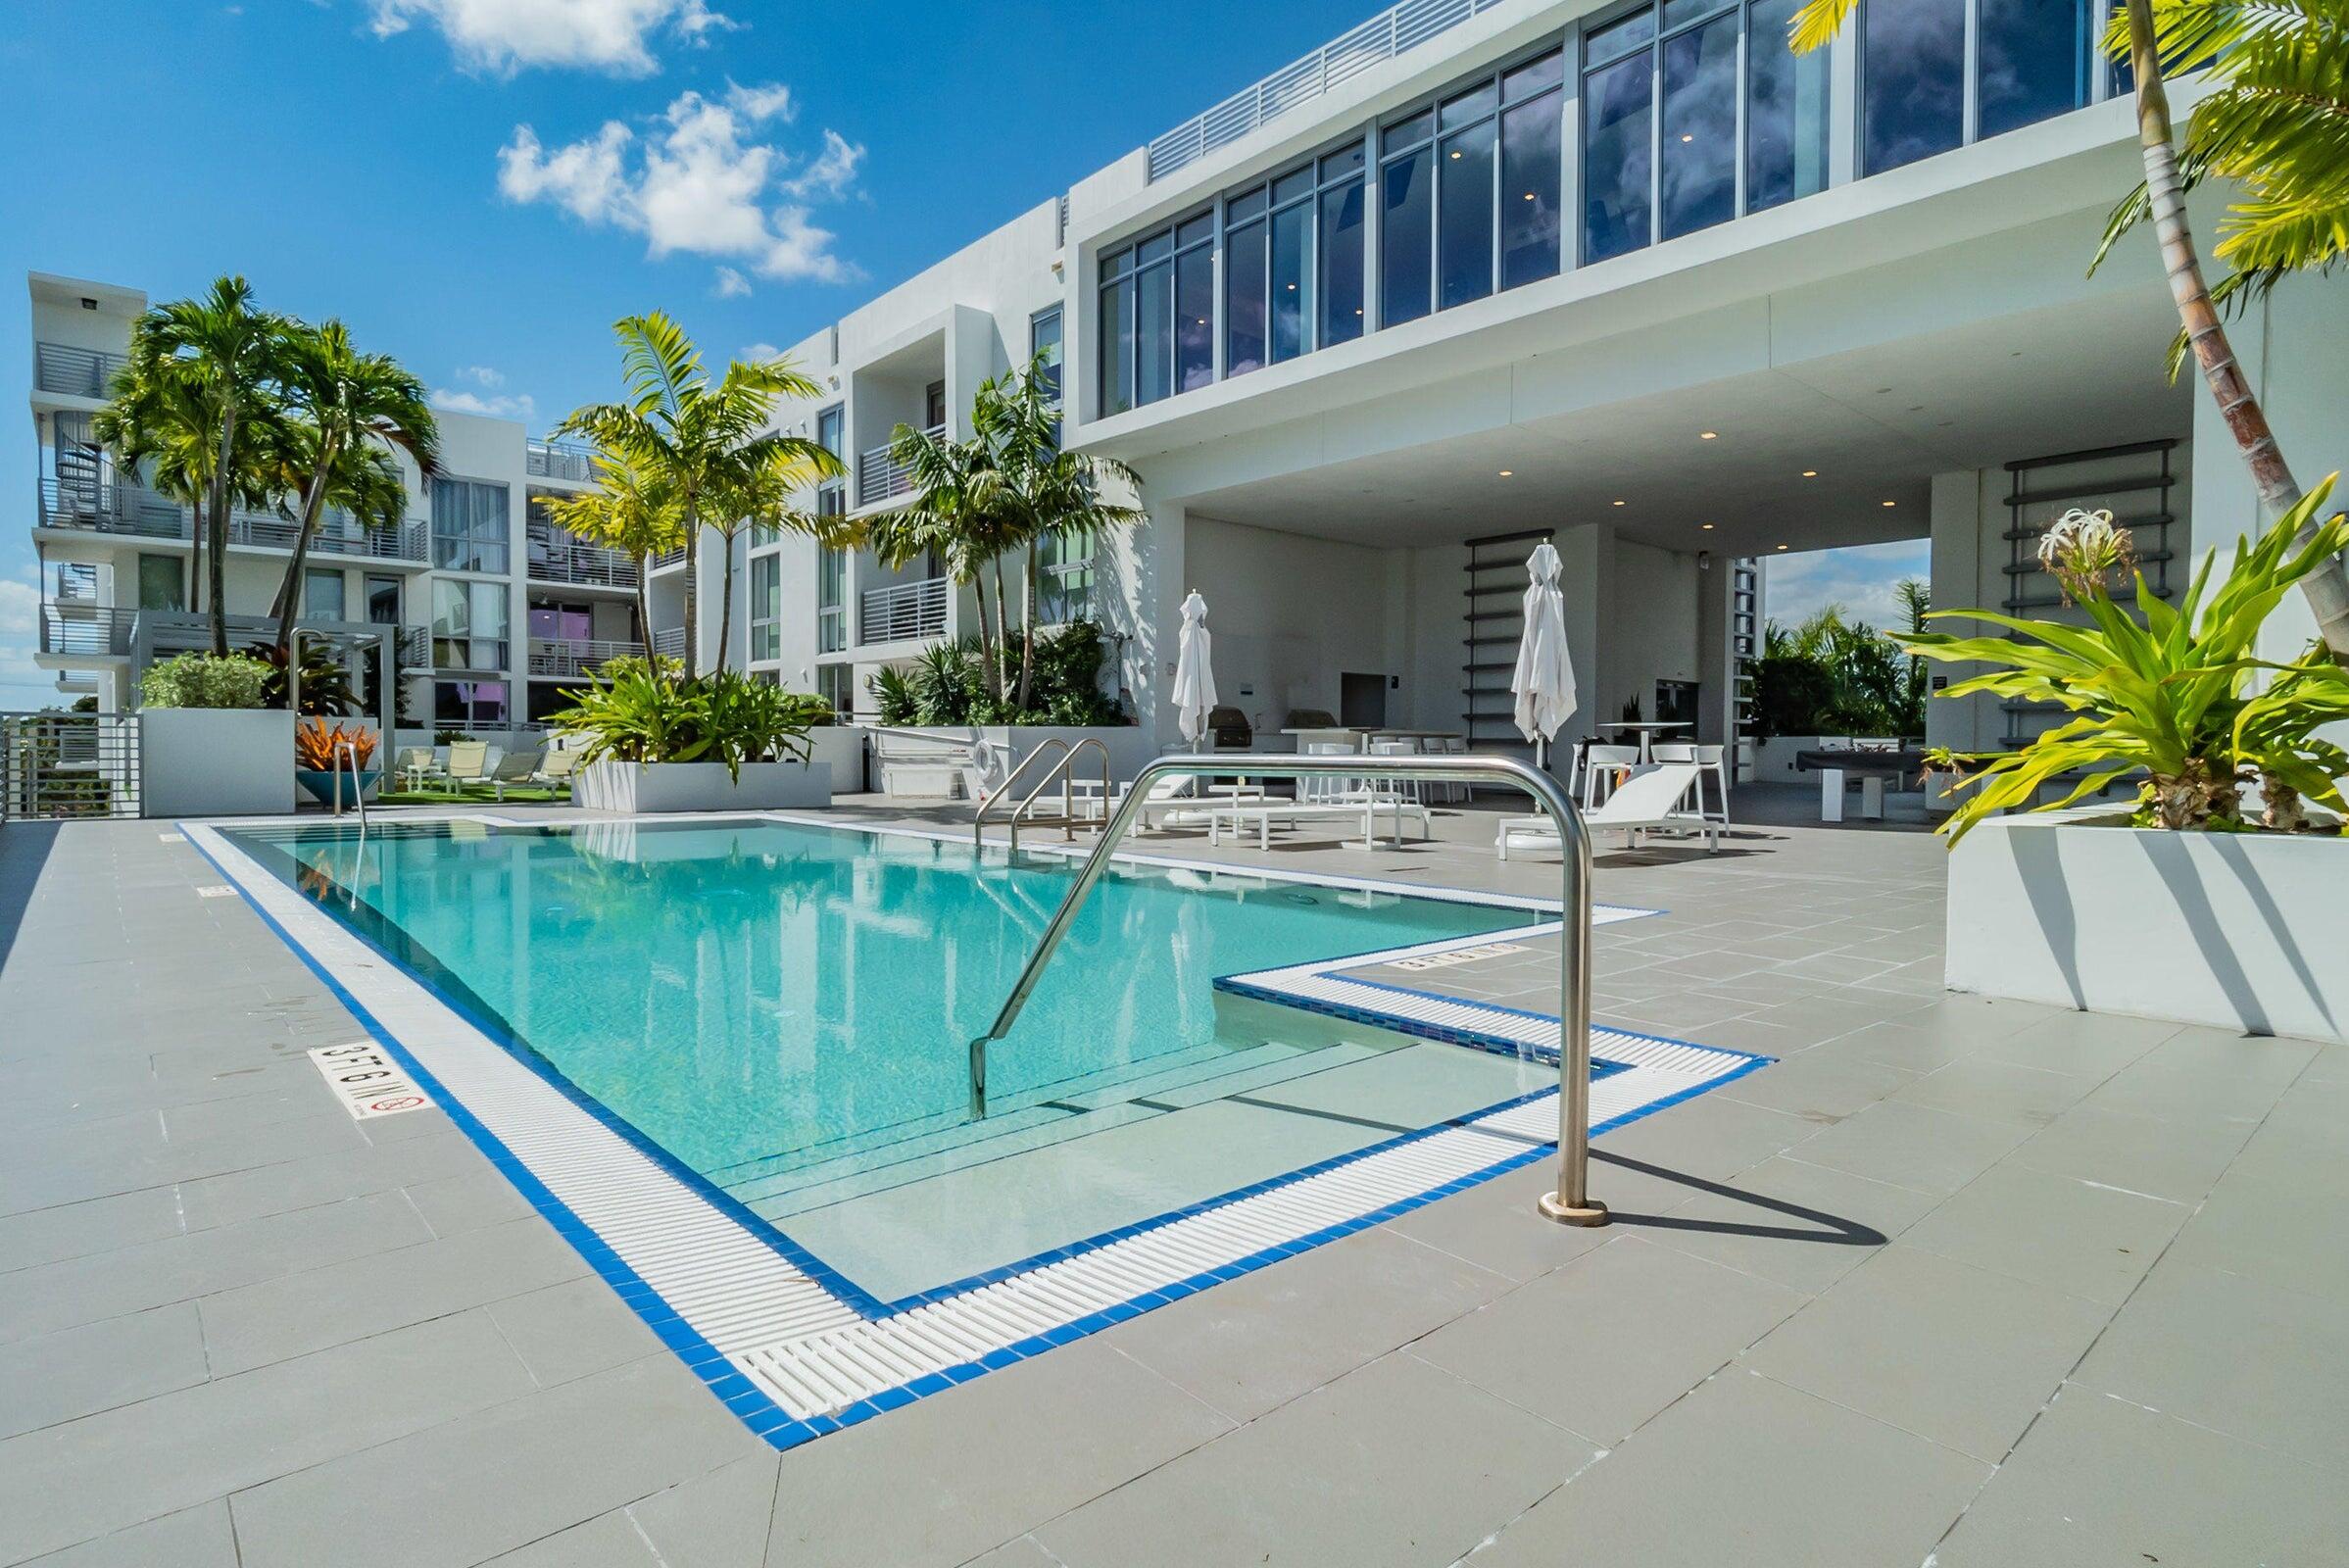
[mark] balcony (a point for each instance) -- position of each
(668, 557)
(73, 372)
(577, 656)
(81, 629)
(559, 460)
(425, 652)
(879, 474)
(670, 644)
(1384, 36)
(567, 561)
(905, 612)
(120, 508)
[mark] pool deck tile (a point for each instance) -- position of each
(233, 1322)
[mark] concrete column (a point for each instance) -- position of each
(1715, 654)
(1963, 553)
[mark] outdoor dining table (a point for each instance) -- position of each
(1360, 736)
(1646, 730)
(1834, 766)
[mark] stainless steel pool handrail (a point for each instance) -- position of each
(359, 794)
(1064, 771)
(1570, 1204)
(1054, 746)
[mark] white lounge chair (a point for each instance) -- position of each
(1176, 802)
(1239, 815)
(1653, 798)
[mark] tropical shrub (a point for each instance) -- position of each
(724, 717)
(894, 696)
(318, 745)
(1835, 675)
(808, 711)
(948, 685)
(325, 680)
(204, 680)
(2166, 692)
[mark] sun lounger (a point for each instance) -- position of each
(514, 769)
(1239, 815)
(1651, 799)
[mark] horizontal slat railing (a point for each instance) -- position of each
(880, 475)
(73, 372)
(903, 612)
(121, 509)
(559, 460)
(590, 564)
(578, 655)
(76, 626)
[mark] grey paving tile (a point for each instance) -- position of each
(2281, 1380)
(65, 1484)
(193, 1537)
(1915, 1145)
(1025, 1553)
(571, 1330)
(100, 1225)
(294, 1314)
(996, 1458)
(2259, 1227)
(1981, 1087)
(1748, 1471)
(2096, 1045)
(499, 1478)
(2175, 1159)
(2076, 1236)
(1498, 1226)
(1804, 1226)
(2100, 1483)
(82, 1371)
(1951, 1353)
(1605, 1342)
(1816, 1088)
(1708, 1138)
(132, 1279)
(354, 1170)
(1398, 1463)
(608, 1540)
(1262, 1339)
(718, 1520)
(469, 1199)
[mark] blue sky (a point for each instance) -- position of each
(481, 186)
(1860, 578)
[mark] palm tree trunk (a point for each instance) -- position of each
(289, 592)
(987, 656)
(1027, 630)
(2328, 587)
(1003, 641)
(693, 584)
(217, 589)
(195, 558)
(644, 618)
(725, 607)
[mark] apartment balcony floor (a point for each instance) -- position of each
(1977, 1281)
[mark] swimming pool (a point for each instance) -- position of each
(747, 1039)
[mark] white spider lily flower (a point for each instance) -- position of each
(2081, 547)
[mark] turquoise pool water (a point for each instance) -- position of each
(785, 1009)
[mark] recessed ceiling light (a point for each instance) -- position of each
(1810, 473)
(1619, 502)
(1708, 435)
(1891, 503)
(1782, 546)
(1455, 155)
(1689, 138)
(1505, 472)
(1706, 526)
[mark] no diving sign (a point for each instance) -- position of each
(368, 1081)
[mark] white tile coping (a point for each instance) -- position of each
(795, 1350)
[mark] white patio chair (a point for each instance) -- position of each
(1710, 762)
(1605, 767)
(1649, 800)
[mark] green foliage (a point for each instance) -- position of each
(724, 717)
(894, 695)
(201, 680)
(325, 682)
(2167, 692)
(1832, 675)
(948, 685)
(808, 711)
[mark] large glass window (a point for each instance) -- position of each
(1464, 194)
(1912, 79)
(1618, 103)
(383, 601)
(1531, 129)
(832, 496)
(2035, 59)
(1698, 175)
(468, 624)
(159, 583)
(1246, 325)
(469, 704)
(1785, 110)
(323, 595)
(831, 600)
(468, 525)
(1293, 277)
(1158, 315)
(1064, 577)
(1340, 242)
(1116, 368)
(1194, 317)
(1406, 218)
(1044, 351)
(766, 607)
(1153, 330)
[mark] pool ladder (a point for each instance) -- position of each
(1062, 771)
(1570, 1204)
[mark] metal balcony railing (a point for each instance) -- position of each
(668, 557)
(73, 372)
(903, 612)
(578, 655)
(568, 561)
(78, 627)
(670, 644)
(121, 509)
(880, 475)
(1403, 28)
(559, 460)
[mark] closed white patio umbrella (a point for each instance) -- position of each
(1544, 681)
(1195, 681)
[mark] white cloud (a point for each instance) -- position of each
(1858, 577)
(481, 375)
(731, 285)
(517, 407)
(510, 36)
(698, 182)
(759, 351)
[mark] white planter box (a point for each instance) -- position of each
(640, 788)
(841, 748)
(2244, 931)
(216, 762)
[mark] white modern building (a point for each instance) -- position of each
(495, 610)
(1629, 276)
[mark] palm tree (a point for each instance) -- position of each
(760, 502)
(1049, 492)
(634, 513)
(2301, 151)
(345, 413)
(225, 351)
(961, 516)
(156, 423)
(697, 438)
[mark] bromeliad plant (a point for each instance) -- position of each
(317, 742)
(2169, 692)
(729, 718)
